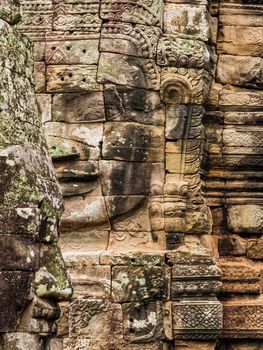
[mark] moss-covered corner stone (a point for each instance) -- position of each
(52, 281)
(10, 11)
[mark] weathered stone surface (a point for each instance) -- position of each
(10, 11)
(95, 319)
(21, 340)
(118, 182)
(40, 70)
(191, 319)
(186, 21)
(239, 276)
(255, 248)
(195, 280)
(68, 50)
(127, 39)
(179, 52)
(136, 241)
(83, 138)
(18, 253)
(145, 323)
(84, 17)
(134, 258)
(78, 108)
(89, 281)
(240, 99)
(15, 295)
(184, 86)
(232, 245)
(36, 17)
(131, 283)
(141, 12)
(194, 345)
(242, 319)
(240, 70)
(67, 78)
(240, 40)
(83, 240)
(124, 103)
(44, 107)
(133, 142)
(129, 71)
(245, 218)
(83, 213)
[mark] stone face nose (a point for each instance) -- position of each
(52, 280)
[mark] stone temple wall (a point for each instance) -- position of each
(152, 112)
(234, 177)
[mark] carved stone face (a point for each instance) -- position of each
(32, 271)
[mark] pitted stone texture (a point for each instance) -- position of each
(186, 21)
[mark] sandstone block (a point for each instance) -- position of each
(85, 239)
(44, 107)
(78, 133)
(145, 323)
(128, 213)
(91, 281)
(78, 108)
(124, 103)
(40, 76)
(95, 318)
(37, 17)
(240, 40)
(255, 248)
(141, 12)
(116, 177)
(133, 142)
(179, 52)
(129, 71)
(196, 319)
(186, 21)
(134, 258)
(195, 280)
(68, 51)
(232, 245)
(245, 218)
(184, 86)
(84, 18)
(83, 213)
(242, 320)
(136, 241)
(240, 70)
(239, 276)
(127, 39)
(67, 78)
(73, 170)
(240, 99)
(131, 283)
